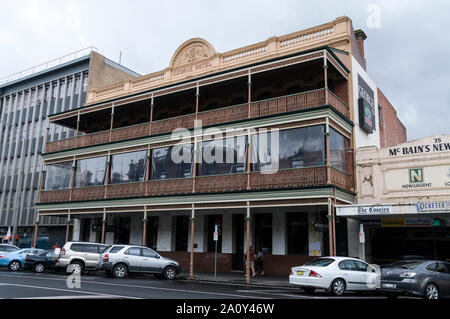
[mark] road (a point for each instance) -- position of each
(52, 285)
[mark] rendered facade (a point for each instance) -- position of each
(264, 150)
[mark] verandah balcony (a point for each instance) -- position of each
(283, 179)
(266, 107)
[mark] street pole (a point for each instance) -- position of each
(216, 238)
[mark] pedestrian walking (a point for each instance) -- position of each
(259, 262)
(252, 260)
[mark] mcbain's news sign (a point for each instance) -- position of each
(437, 145)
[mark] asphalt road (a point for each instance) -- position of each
(52, 285)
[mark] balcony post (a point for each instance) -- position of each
(72, 180)
(249, 93)
(78, 129)
(194, 161)
(334, 222)
(325, 76)
(144, 228)
(247, 245)
(249, 156)
(191, 262)
(67, 227)
(327, 149)
(111, 123)
(103, 226)
(36, 229)
(108, 174)
(147, 172)
(330, 227)
(152, 104)
(47, 133)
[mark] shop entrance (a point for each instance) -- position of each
(388, 243)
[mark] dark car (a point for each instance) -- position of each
(429, 279)
(40, 262)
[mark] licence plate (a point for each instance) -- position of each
(299, 273)
(387, 285)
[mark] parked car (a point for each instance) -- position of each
(79, 256)
(429, 279)
(334, 274)
(41, 262)
(15, 259)
(119, 260)
(7, 248)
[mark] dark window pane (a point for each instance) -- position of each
(172, 162)
(134, 251)
(115, 249)
(339, 145)
(77, 247)
(90, 172)
(294, 148)
(297, 226)
(58, 176)
(148, 253)
(223, 156)
(128, 167)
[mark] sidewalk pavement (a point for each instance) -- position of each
(239, 278)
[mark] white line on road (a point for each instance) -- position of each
(65, 290)
(145, 287)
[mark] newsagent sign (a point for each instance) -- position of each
(436, 144)
(385, 211)
(418, 178)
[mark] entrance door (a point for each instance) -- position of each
(238, 226)
(123, 230)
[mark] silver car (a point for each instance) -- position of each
(79, 256)
(119, 260)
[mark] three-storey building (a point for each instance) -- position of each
(256, 143)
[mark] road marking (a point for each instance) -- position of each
(65, 290)
(72, 297)
(145, 287)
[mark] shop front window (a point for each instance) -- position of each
(128, 167)
(58, 176)
(172, 162)
(90, 172)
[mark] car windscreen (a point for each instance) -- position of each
(405, 265)
(115, 249)
(320, 262)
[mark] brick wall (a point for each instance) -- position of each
(392, 130)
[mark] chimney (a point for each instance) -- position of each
(360, 37)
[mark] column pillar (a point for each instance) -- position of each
(67, 227)
(76, 229)
(191, 262)
(330, 227)
(111, 123)
(36, 229)
(247, 245)
(103, 228)
(325, 76)
(144, 228)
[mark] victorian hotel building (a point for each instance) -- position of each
(256, 143)
(26, 99)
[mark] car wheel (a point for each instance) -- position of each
(431, 291)
(120, 271)
(75, 267)
(309, 290)
(14, 265)
(39, 267)
(170, 272)
(337, 287)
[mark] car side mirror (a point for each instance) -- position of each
(158, 256)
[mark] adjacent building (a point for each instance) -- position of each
(26, 100)
(403, 201)
(252, 147)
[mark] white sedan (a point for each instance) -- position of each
(335, 274)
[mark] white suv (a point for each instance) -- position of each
(119, 260)
(80, 256)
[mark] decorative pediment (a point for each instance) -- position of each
(192, 50)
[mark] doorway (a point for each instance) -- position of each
(238, 226)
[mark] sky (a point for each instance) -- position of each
(407, 48)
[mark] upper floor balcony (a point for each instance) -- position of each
(242, 95)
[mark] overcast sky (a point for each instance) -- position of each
(407, 56)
